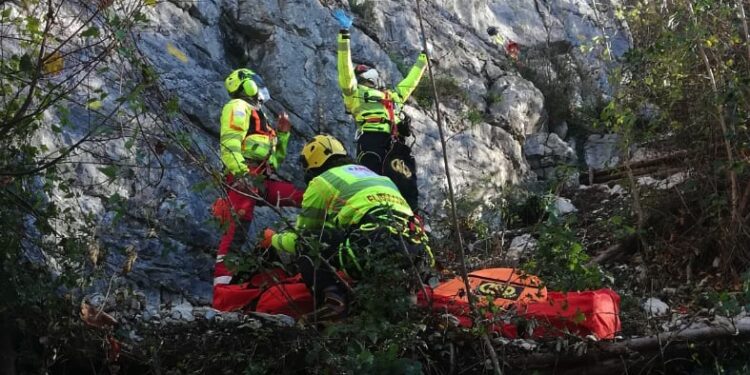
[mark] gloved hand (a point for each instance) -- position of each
(267, 239)
(283, 125)
(492, 31)
(404, 127)
(344, 21)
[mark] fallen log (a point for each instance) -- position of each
(639, 168)
(619, 175)
(604, 351)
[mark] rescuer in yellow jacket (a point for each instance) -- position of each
(251, 150)
(377, 111)
(344, 201)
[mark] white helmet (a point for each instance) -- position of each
(368, 74)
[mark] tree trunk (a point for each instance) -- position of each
(605, 351)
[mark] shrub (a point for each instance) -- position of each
(447, 88)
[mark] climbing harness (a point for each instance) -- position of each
(391, 223)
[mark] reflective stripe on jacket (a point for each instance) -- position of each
(246, 137)
(339, 198)
(365, 103)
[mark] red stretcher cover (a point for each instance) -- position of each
(592, 312)
(499, 291)
(272, 292)
(553, 313)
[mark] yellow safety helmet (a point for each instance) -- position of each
(319, 150)
(241, 79)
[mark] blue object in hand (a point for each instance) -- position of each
(344, 21)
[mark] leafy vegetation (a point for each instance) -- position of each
(49, 250)
(687, 77)
(690, 71)
(560, 259)
(447, 89)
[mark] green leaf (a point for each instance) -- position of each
(173, 105)
(94, 104)
(25, 64)
(578, 318)
(32, 25)
(201, 186)
(110, 171)
(92, 31)
(140, 17)
(6, 12)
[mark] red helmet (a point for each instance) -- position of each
(361, 68)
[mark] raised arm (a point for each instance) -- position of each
(411, 81)
(347, 80)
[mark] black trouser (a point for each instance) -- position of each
(376, 151)
(319, 276)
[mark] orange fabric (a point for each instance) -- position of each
(259, 128)
(594, 312)
(221, 210)
(557, 313)
(267, 237)
(233, 297)
(276, 192)
(293, 299)
(502, 287)
(271, 292)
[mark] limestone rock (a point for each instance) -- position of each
(518, 106)
(655, 307)
(520, 247)
(160, 209)
(602, 151)
(545, 152)
(183, 311)
(563, 206)
(561, 129)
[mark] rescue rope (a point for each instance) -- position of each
(451, 197)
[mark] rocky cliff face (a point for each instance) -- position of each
(488, 105)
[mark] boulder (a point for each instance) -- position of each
(655, 307)
(563, 206)
(602, 151)
(518, 106)
(520, 247)
(545, 152)
(561, 129)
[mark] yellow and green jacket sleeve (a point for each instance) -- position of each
(311, 218)
(279, 153)
(234, 124)
(347, 80)
(411, 81)
(285, 241)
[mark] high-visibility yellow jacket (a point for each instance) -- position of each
(365, 103)
(246, 138)
(339, 198)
